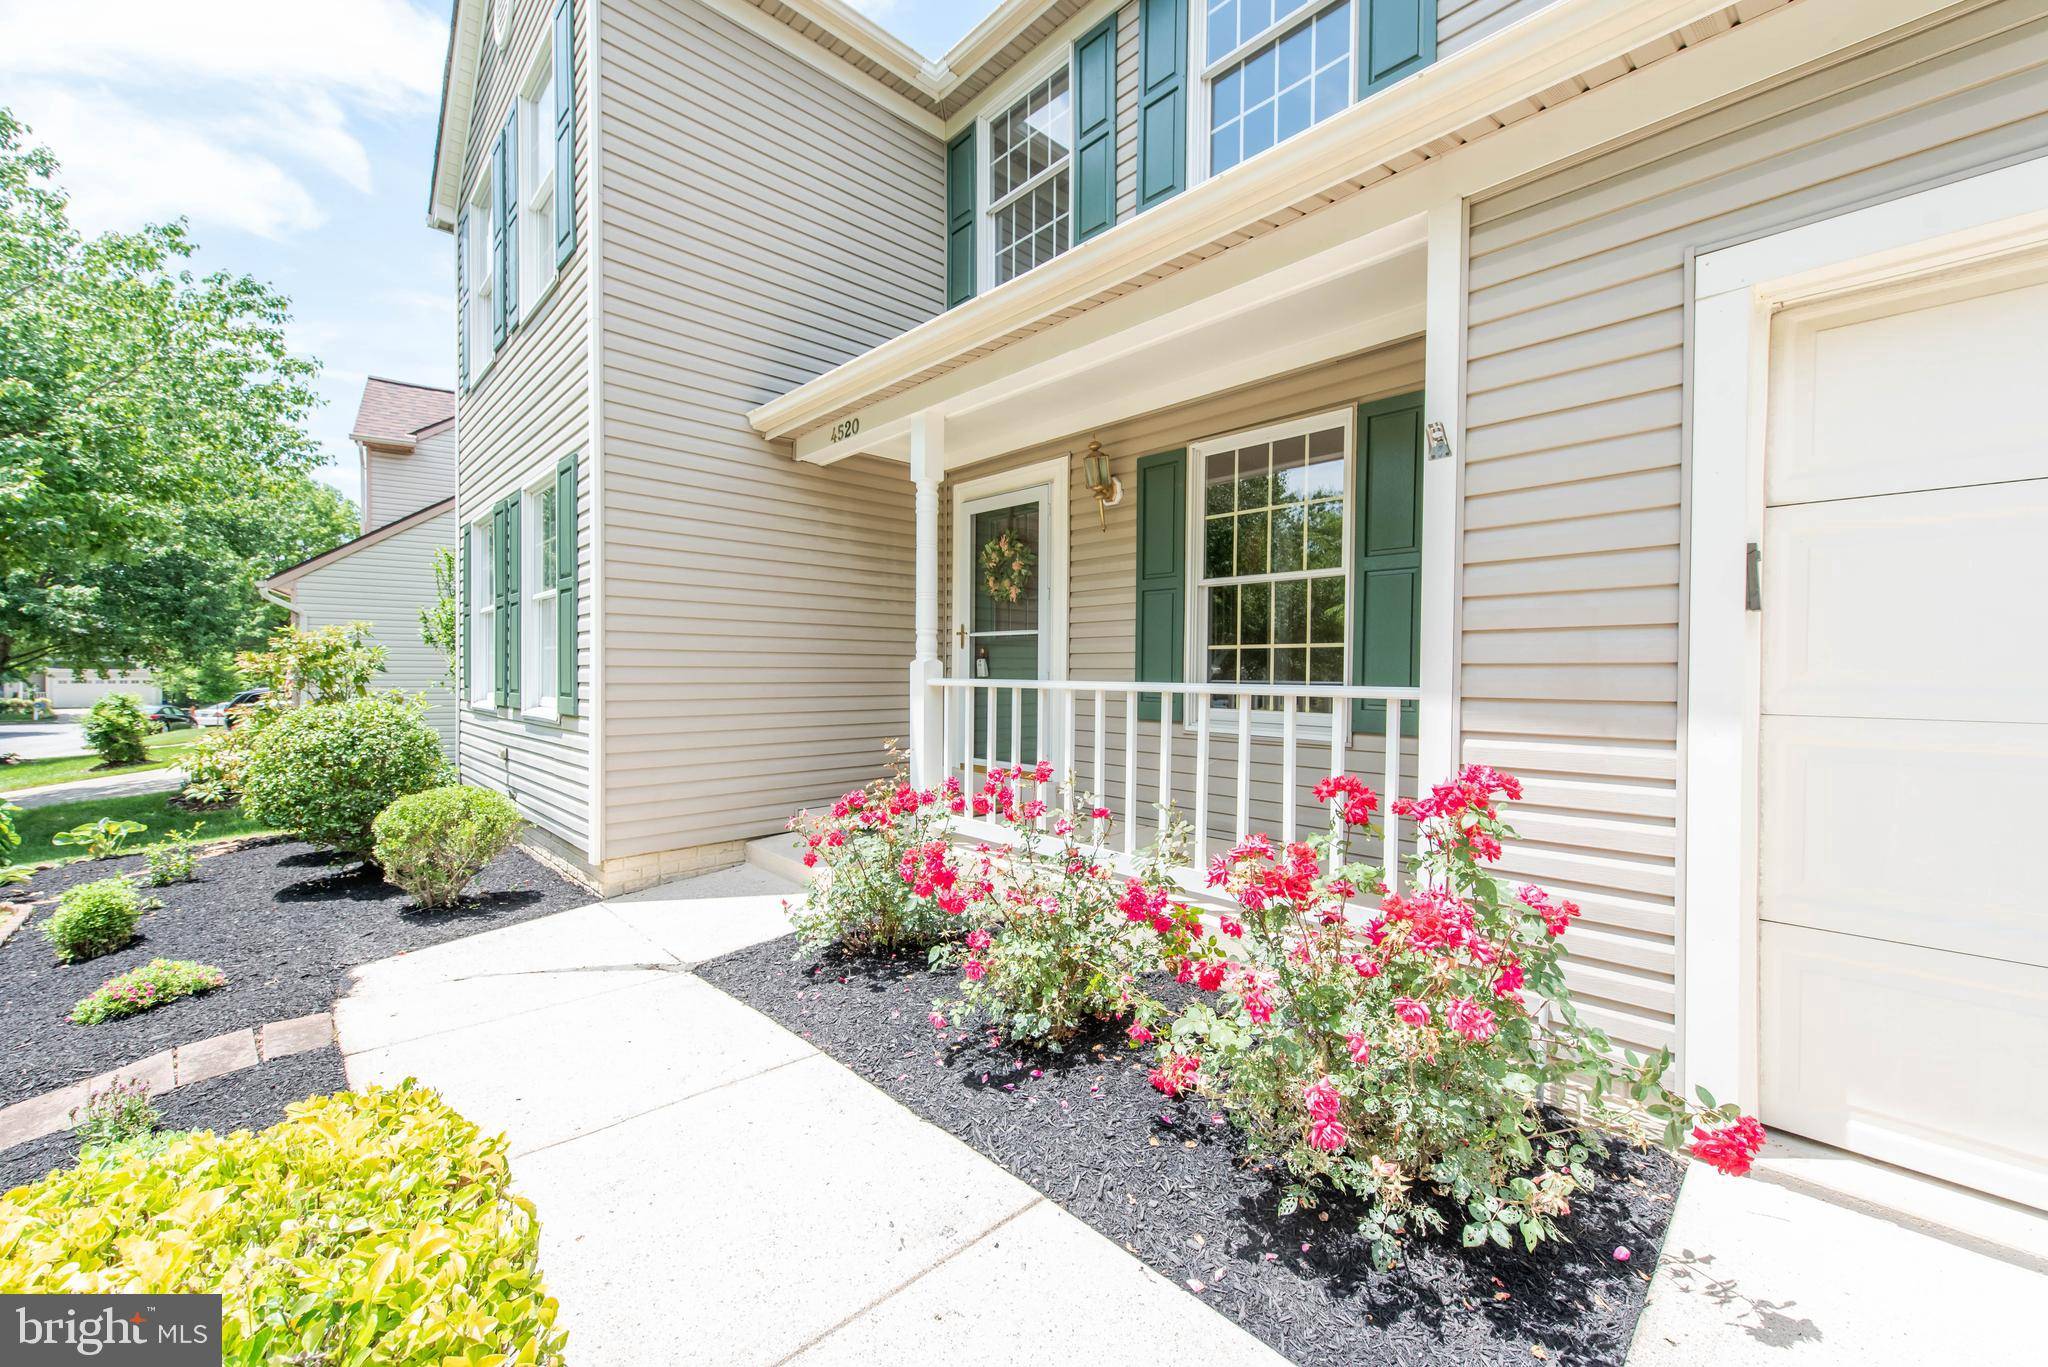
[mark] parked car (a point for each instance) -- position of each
(169, 716)
(219, 714)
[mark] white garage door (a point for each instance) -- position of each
(1903, 744)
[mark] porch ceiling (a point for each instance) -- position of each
(1121, 362)
(1564, 51)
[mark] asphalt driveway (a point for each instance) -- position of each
(42, 740)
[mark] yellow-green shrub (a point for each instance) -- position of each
(365, 1228)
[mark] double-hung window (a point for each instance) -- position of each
(539, 601)
(536, 179)
(1271, 592)
(1030, 177)
(483, 614)
(1274, 68)
(482, 265)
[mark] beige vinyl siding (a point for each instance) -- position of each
(1460, 23)
(759, 636)
(386, 584)
(1102, 587)
(517, 419)
(397, 484)
(1127, 111)
(1576, 373)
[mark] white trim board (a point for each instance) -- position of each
(1734, 293)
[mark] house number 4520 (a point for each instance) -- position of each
(841, 431)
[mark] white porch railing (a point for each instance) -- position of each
(1227, 778)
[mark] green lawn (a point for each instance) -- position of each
(154, 810)
(164, 749)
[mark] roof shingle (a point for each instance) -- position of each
(394, 411)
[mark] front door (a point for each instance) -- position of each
(1001, 634)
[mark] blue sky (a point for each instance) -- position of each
(295, 135)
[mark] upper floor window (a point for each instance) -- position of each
(1030, 180)
(481, 261)
(536, 149)
(1275, 69)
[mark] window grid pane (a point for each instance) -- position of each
(1273, 515)
(1280, 88)
(1032, 139)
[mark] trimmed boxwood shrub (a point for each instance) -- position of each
(324, 772)
(116, 727)
(433, 843)
(365, 1227)
(93, 919)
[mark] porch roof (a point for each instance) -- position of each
(951, 362)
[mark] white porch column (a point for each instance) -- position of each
(927, 715)
(1443, 493)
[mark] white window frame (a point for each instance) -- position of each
(482, 269)
(537, 267)
(483, 616)
(1206, 70)
(536, 682)
(1196, 663)
(984, 146)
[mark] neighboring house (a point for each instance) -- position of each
(405, 445)
(1631, 394)
(385, 577)
(74, 689)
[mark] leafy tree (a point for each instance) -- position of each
(153, 463)
(326, 664)
(437, 619)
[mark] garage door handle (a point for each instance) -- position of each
(1754, 599)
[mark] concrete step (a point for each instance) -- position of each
(778, 855)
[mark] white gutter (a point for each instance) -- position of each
(1554, 44)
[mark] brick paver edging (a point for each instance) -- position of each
(198, 1061)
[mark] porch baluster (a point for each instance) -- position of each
(1336, 764)
(1067, 774)
(1287, 769)
(1244, 766)
(1131, 772)
(1391, 832)
(1200, 702)
(1101, 774)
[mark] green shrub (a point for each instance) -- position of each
(157, 983)
(93, 919)
(433, 843)
(100, 839)
(216, 767)
(324, 772)
(116, 727)
(115, 1115)
(172, 859)
(373, 1227)
(10, 839)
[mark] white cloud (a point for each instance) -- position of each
(231, 112)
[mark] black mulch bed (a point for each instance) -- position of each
(248, 1100)
(1168, 1181)
(285, 921)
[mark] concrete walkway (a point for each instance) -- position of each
(713, 1189)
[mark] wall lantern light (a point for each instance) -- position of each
(1107, 488)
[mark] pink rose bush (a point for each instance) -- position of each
(1058, 941)
(882, 887)
(1392, 1040)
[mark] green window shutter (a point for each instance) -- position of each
(565, 130)
(499, 583)
(510, 624)
(1095, 130)
(497, 240)
(565, 587)
(462, 300)
(508, 276)
(1162, 575)
(1386, 589)
(960, 211)
(1396, 38)
(1162, 100)
(462, 611)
